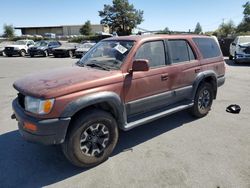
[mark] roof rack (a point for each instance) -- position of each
(165, 32)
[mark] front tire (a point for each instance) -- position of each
(71, 54)
(91, 139)
(45, 53)
(22, 53)
(203, 100)
(230, 57)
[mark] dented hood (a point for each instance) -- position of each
(64, 81)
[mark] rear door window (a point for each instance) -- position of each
(154, 52)
(208, 47)
(180, 51)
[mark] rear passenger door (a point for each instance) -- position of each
(183, 68)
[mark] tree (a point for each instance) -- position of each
(86, 28)
(164, 31)
(121, 17)
(198, 28)
(8, 31)
(244, 26)
(226, 29)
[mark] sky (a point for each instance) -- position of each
(177, 15)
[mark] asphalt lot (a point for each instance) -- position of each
(176, 151)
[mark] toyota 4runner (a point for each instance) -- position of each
(121, 83)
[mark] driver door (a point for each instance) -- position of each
(144, 91)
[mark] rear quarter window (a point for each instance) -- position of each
(208, 47)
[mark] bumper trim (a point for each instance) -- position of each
(221, 80)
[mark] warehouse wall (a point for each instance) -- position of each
(62, 30)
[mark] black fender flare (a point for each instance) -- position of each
(111, 98)
(201, 77)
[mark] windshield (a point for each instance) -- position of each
(41, 43)
(244, 39)
(20, 42)
(107, 55)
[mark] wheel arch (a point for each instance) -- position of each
(208, 77)
(107, 101)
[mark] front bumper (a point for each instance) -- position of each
(36, 52)
(79, 53)
(12, 52)
(49, 131)
(61, 53)
(242, 58)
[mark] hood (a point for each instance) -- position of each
(82, 49)
(38, 47)
(58, 82)
(245, 44)
(15, 45)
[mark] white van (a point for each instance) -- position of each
(240, 49)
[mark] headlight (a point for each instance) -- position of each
(38, 106)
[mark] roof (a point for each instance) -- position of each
(155, 36)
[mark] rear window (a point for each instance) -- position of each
(208, 47)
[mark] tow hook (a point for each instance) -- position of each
(13, 116)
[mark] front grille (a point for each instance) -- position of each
(20, 98)
(9, 48)
(247, 50)
(59, 50)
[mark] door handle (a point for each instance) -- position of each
(164, 77)
(197, 70)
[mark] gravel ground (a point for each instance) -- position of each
(176, 151)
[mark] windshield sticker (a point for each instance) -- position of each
(120, 48)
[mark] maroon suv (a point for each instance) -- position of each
(121, 83)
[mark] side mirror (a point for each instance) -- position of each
(140, 65)
(28, 44)
(233, 44)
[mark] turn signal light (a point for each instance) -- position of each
(30, 126)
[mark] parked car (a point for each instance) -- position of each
(3, 45)
(65, 50)
(121, 83)
(83, 49)
(20, 48)
(240, 49)
(43, 48)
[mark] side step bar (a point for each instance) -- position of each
(153, 117)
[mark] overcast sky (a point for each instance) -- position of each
(178, 15)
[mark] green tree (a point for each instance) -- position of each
(244, 26)
(198, 28)
(226, 29)
(8, 31)
(86, 28)
(121, 17)
(164, 31)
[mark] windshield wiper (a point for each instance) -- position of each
(97, 65)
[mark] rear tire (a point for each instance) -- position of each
(235, 59)
(203, 100)
(91, 139)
